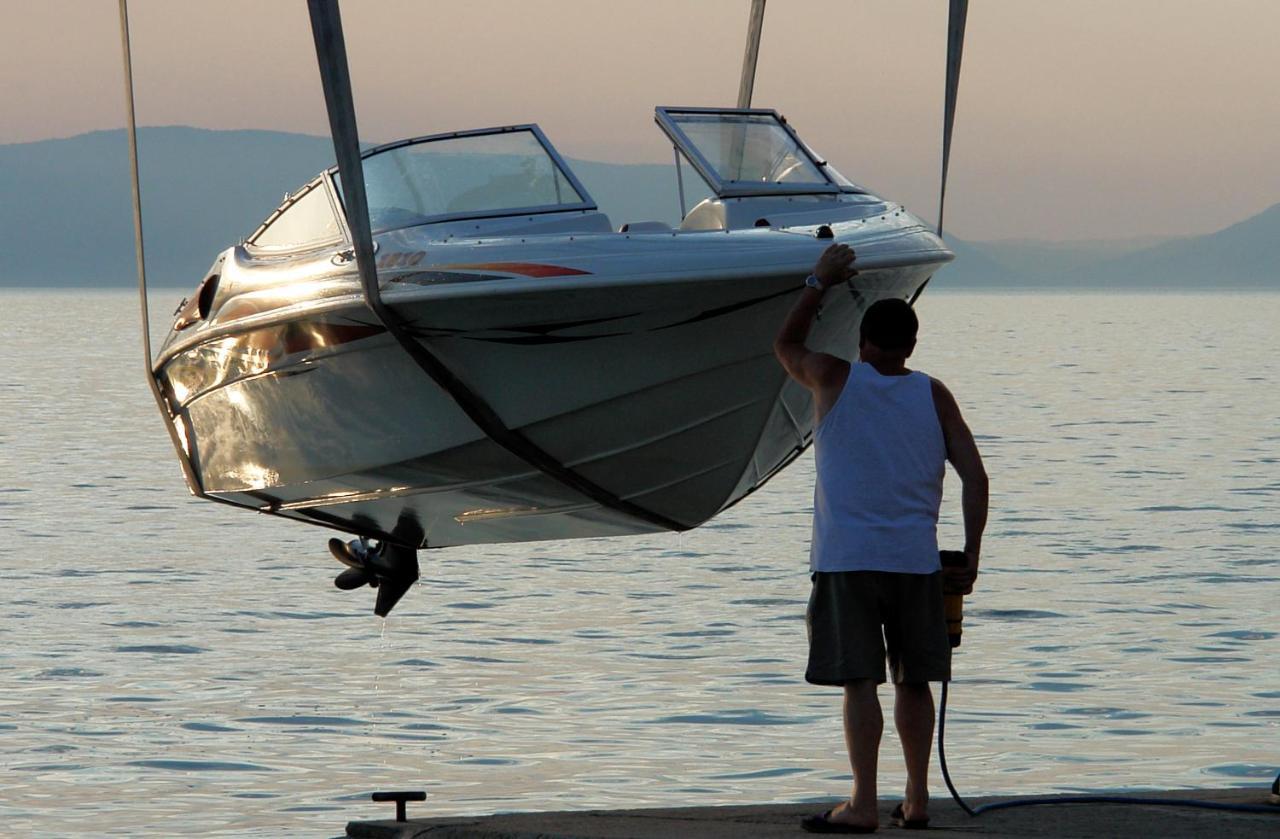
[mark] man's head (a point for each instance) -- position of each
(888, 330)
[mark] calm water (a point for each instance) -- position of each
(172, 666)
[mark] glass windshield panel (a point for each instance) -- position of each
(308, 220)
(477, 175)
(751, 148)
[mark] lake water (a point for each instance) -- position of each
(171, 666)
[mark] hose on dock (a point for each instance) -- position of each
(1079, 799)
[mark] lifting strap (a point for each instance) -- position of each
(331, 53)
(955, 46)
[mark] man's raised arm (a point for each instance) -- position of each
(802, 364)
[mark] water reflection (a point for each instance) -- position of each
(174, 667)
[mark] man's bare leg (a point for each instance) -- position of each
(913, 716)
(863, 725)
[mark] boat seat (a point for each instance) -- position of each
(707, 214)
(645, 227)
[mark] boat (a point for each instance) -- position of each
(637, 356)
(443, 341)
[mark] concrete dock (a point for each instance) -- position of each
(783, 820)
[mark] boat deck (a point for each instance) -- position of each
(782, 820)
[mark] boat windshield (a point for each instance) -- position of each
(497, 172)
(745, 152)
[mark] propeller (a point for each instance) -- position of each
(390, 568)
(353, 555)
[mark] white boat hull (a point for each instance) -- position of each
(660, 387)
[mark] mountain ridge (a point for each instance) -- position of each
(66, 217)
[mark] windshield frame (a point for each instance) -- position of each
(587, 204)
(321, 182)
(666, 116)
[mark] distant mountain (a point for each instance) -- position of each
(66, 217)
(1240, 256)
(972, 268)
(1033, 257)
(1244, 255)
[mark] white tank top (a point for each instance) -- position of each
(881, 459)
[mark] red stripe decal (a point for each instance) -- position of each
(528, 269)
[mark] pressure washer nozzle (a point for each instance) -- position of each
(953, 604)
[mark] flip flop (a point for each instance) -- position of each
(822, 824)
(899, 819)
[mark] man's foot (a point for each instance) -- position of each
(842, 819)
(913, 811)
(914, 822)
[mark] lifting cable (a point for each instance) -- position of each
(188, 471)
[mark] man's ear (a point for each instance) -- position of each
(910, 349)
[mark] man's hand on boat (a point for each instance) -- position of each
(835, 265)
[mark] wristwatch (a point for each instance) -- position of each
(812, 281)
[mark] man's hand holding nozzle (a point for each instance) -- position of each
(835, 266)
(957, 578)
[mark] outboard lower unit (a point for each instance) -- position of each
(390, 568)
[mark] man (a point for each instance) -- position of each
(883, 434)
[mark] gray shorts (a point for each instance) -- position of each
(854, 616)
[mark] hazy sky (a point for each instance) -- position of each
(1077, 118)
